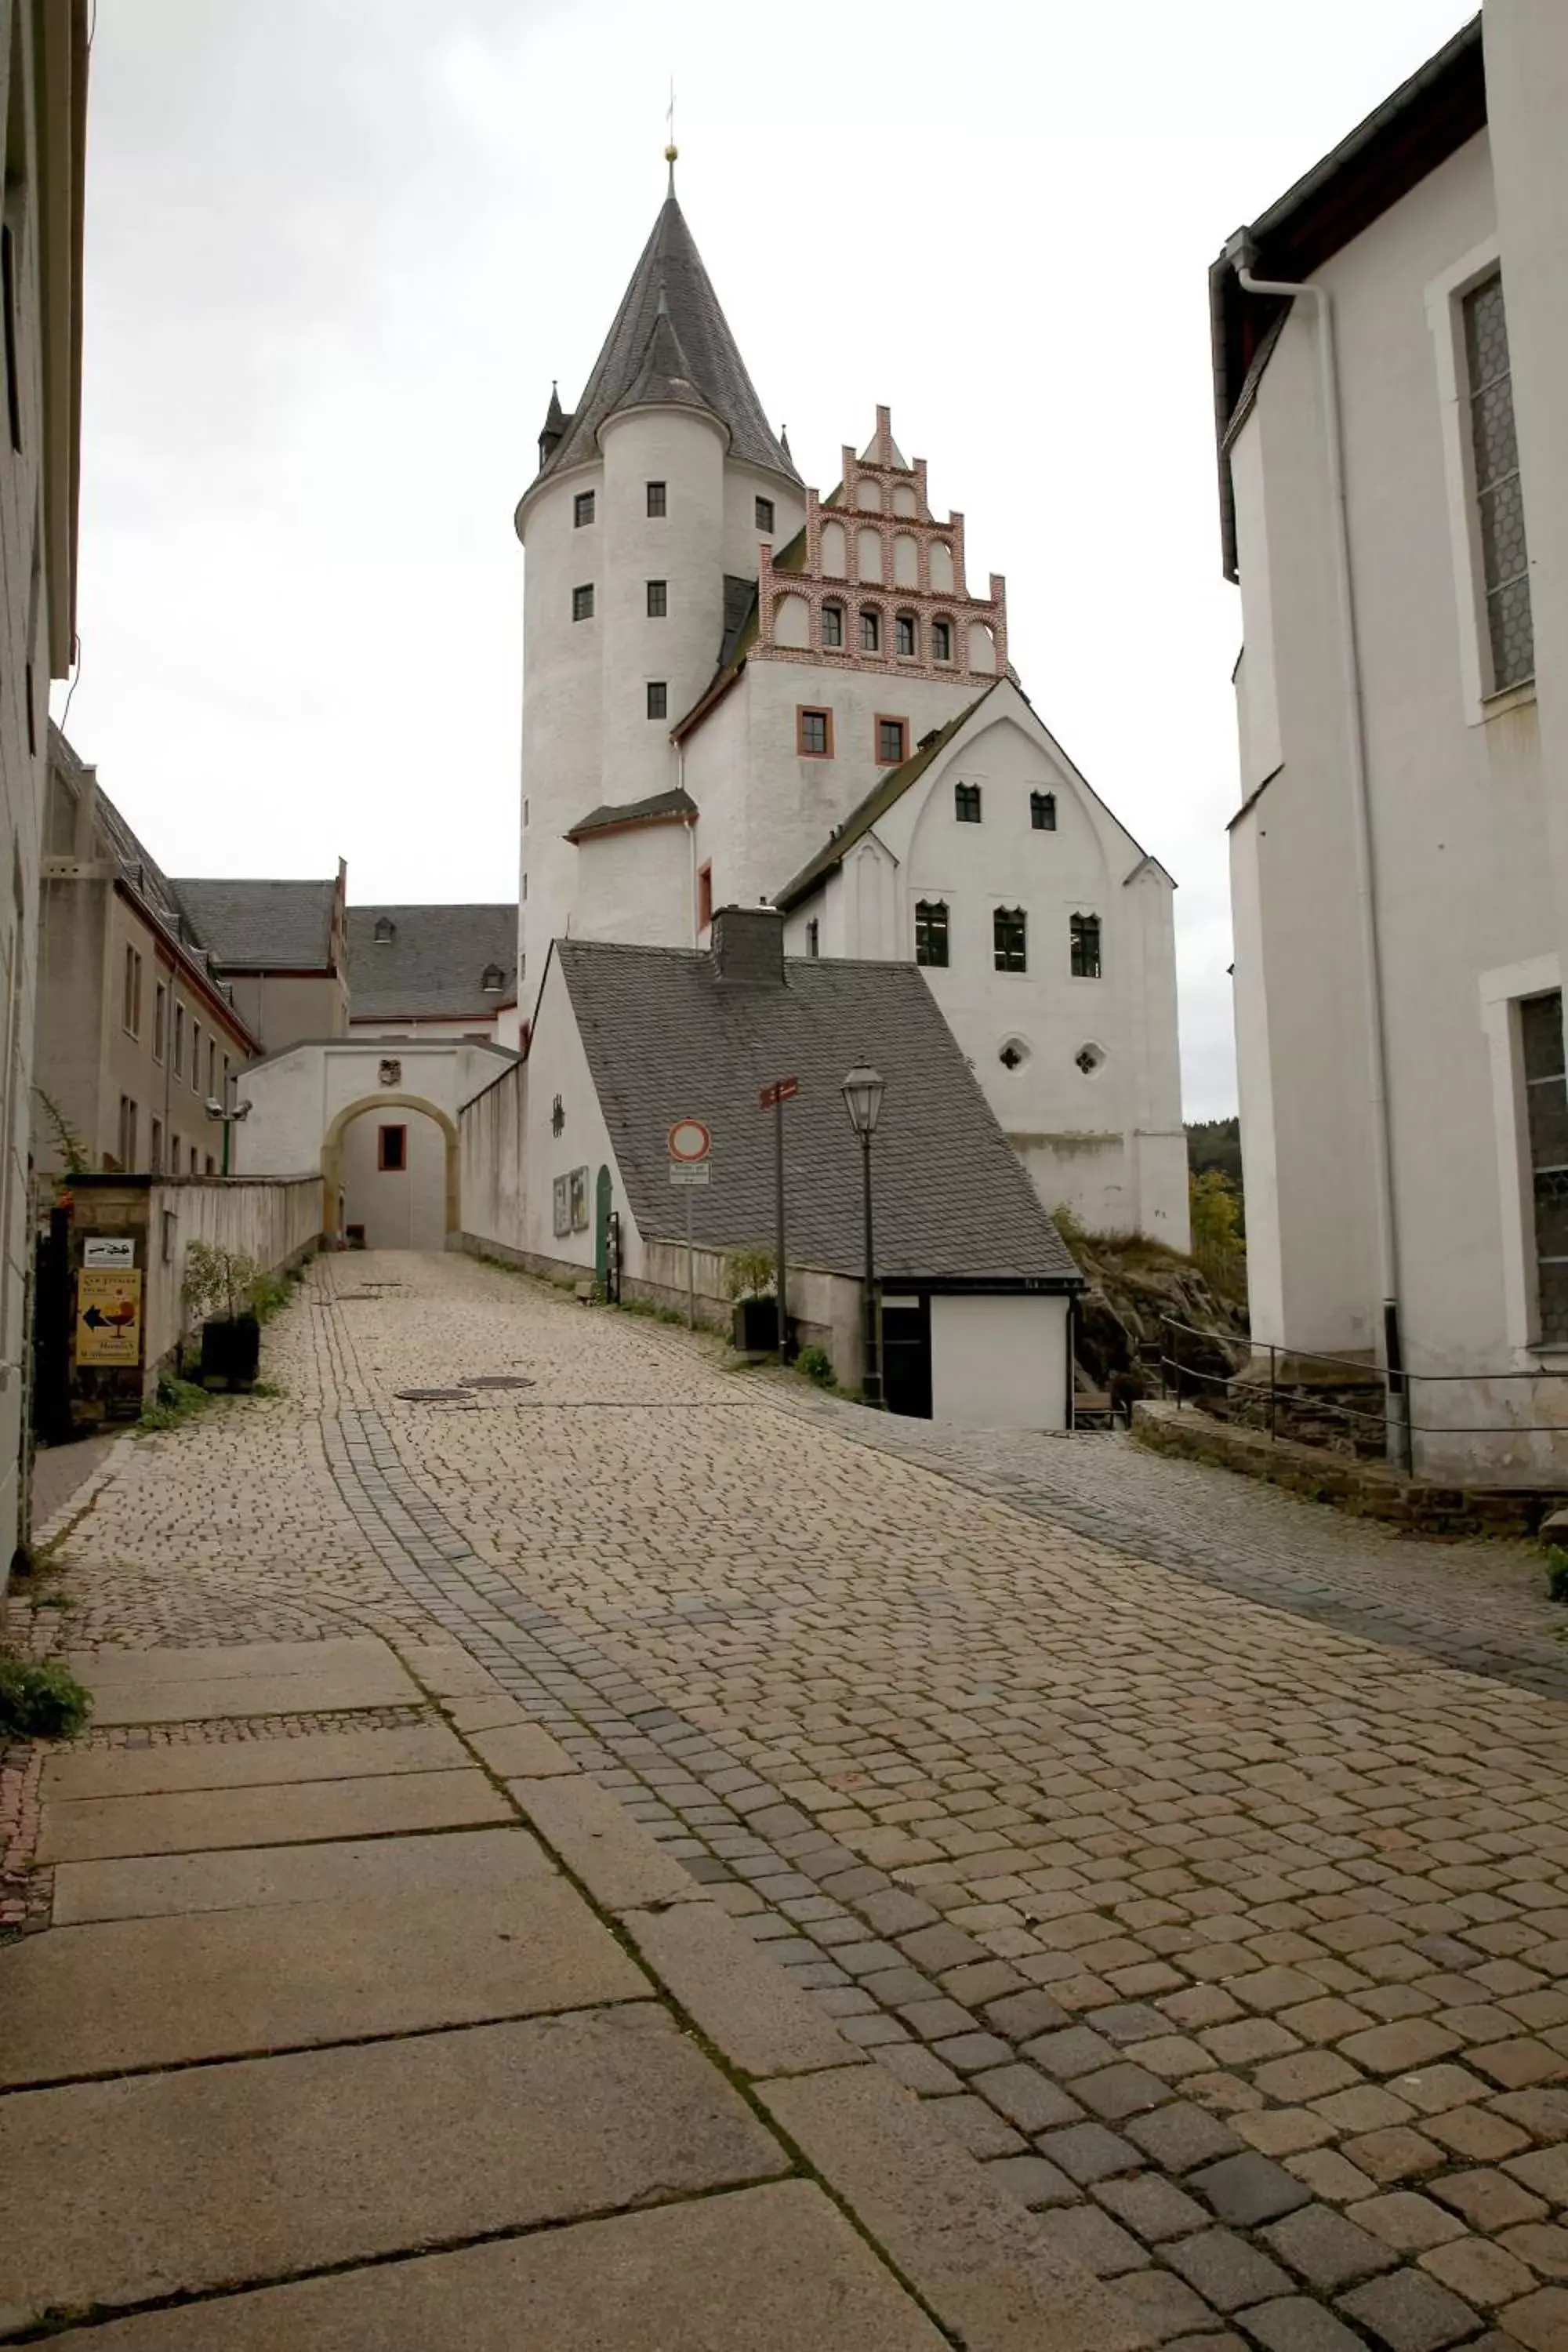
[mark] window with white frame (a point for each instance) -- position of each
(1546, 1108)
(1500, 498)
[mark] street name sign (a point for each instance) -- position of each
(782, 1090)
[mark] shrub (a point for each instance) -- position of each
(748, 1272)
(817, 1365)
(220, 1281)
(40, 1702)
(176, 1402)
(1557, 1573)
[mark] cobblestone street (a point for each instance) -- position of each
(1232, 1937)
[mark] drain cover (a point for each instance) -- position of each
(500, 1381)
(433, 1396)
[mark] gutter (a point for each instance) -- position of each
(1240, 253)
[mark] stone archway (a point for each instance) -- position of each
(387, 1099)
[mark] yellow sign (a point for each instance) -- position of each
(109, 1314)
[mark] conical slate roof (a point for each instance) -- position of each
(670, 340)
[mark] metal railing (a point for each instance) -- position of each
(1395, 1417)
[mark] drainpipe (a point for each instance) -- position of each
(1240, 252)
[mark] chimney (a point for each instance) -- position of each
(748, 945)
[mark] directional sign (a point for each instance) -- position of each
(690, 1172)
(690, 1140)
(109, 1315)
(782, 1090)
(109, 1249)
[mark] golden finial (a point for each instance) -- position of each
(671, 149)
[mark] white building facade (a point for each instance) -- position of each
(724, 673)
(1394, 472)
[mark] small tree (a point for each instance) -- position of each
(1215, 1212)
(750, 1273)
(219, 1281)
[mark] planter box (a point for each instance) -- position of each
(231, 1351)
(755, 1329)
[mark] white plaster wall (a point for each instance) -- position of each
(297, 1094)
(402, 1208)
(999, 1363)
(274, 1222)
(637, 886)
(744, 485)
(484, 1028)
(685, 450)
(563, 701)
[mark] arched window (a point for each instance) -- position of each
(1084, 933)
(941, 641)
(871, 630)
(904, 638)
(832, 628)
(931, 932)
(1043, 811)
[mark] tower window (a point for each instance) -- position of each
(941, 641)
(581, 508)
(1043, 811)
(764, 514)
(658, 599)
(930, 932)
(704, 897)
(1009, 931)
(392, 1149)
(832, 627)
(967, 804)
(904, 636)
(582, 602)
(813, 734)
(1504, 560)
(892, 735)
(870, 631)
(1084, 933)
(814, 938)
(656, 505)
(658, 698)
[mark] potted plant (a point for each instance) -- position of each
(219, 1289)
(749, 1281)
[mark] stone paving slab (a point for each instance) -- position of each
(157, 1886)
(164, 2184)
(247, 1763)
(746, 2005)
(134, 1994)
(158, 1698)
(216, 1661)
(757, 2270)
(194, 1821)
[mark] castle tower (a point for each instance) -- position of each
(663, 484)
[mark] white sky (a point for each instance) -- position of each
(338, 248)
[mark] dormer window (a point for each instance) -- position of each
(494, 979)
(385, 927)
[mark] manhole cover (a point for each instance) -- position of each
(433, 1396)
(500, 1381)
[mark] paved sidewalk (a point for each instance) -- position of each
(319, 2000)
(1234, 1945)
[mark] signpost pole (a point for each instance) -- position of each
(779, 1202)
(691, 1275)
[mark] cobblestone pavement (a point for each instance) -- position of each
(1237, 1943)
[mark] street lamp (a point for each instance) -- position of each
(862, 1092)
(215, 1109)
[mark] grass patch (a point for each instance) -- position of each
(43, 1702)
(816, 1365)
(176, 1402)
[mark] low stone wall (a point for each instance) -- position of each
(1369, 1489)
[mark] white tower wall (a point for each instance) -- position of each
(684, 449)
(562, 701)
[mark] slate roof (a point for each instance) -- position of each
(652, 811)
(671, 339)
(433, 967)
(877, 802)
(666, 1039)
(253, 926)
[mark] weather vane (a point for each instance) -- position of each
(671, 149)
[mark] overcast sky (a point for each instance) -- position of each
(338, 248)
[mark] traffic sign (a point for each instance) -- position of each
(782, 1090)
(690, 1140)
(690, 1172)
(107, 1316)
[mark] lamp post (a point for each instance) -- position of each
(230, 1117)
(862, 1092)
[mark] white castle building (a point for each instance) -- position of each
(736, 691)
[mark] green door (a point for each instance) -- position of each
(602, 1229)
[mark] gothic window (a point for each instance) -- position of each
(814, 938)
(392, 1149)
(581, 508)
(1505, 564)
(967, 804)
(764, 514)
(870, 631)
(892, 737)
(904, 636)
(832, 627)
(1083, 932)
(656, 505)
(1009, 934)
(1043, 811)
(1546, 1103)
(813, 734)
(582, 602)
(930, 932)
(658, 599)
(1014, 1053)
(941, 641)
(658, 698)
